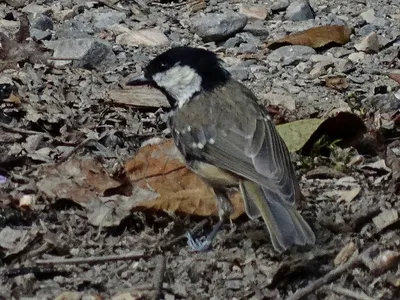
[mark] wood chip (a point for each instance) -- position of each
(385, 219)
(345, 254)
(139, 97)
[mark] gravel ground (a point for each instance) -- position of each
(48, 108)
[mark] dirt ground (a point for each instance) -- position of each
(58, 113)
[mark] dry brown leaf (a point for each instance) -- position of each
(348, 196)
(160, 168)
(316, 37)
(78, 180)
(395, 77)
(337, 83)
(345, 254)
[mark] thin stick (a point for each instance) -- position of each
(332, 275)
(346, 292)
(93, 259)
(159, 276)
(22, 131)
(76, 149)
(183, 236)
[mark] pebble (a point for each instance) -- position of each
(89, 52)
(218, 27)
(33, 9)
(39, 35)
(64, 15)
(146, 37)
(104, 20)
(8, 27)
(299, 11)
(369, 44)
(254, 12)
(279, 5)
(288, 55)
(357, 56)
(42, 22)
(369, 17)
(73, 29)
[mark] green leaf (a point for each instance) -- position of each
(297, 133)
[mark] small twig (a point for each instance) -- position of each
(317, 284)
(93, 259)
(346, 292)
(22, 131)
(159, 276)
(182, 237)
(76, 149)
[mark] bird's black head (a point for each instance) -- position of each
(182, 72)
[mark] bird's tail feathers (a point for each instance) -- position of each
(285, 224)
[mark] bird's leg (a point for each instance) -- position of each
(225, 210)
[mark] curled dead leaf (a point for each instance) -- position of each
(316, 37)
(160, 168)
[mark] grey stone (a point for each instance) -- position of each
(357, 56)
(299, 11)
(369, 44)
(73, 29)
(257, 29)
(33, 8)
(105, 20)
(383, 102)
(218, 27)
(369, 17)
(288, 55)
(279, 5)
(367, 29)
(39, 35)
(42, 22)
(89, 52)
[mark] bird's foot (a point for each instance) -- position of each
(204, 243)
(201, 244)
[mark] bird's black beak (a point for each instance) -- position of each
(140, 80)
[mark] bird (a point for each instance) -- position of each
(228, 139)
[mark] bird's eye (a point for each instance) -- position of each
(163, 66)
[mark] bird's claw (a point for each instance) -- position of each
(202, 244)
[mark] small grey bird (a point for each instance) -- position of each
(229, 140)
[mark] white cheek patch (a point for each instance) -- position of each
(181, 82)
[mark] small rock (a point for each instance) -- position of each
(8, 27)
(282, 98)
(42, 22)
(105, 20)
(73, 29)
(88, 52)
(366, 29)
(279, 5)
(320, 69)
(39, 35)
(33, 9)
(64, 15)
(368, 15)
(257, 29)
(299, 11)
(254, 12)
(217, 27)
(145, 37)
(288, 55)
(303, 67)
(369, 44)
(357, 56)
